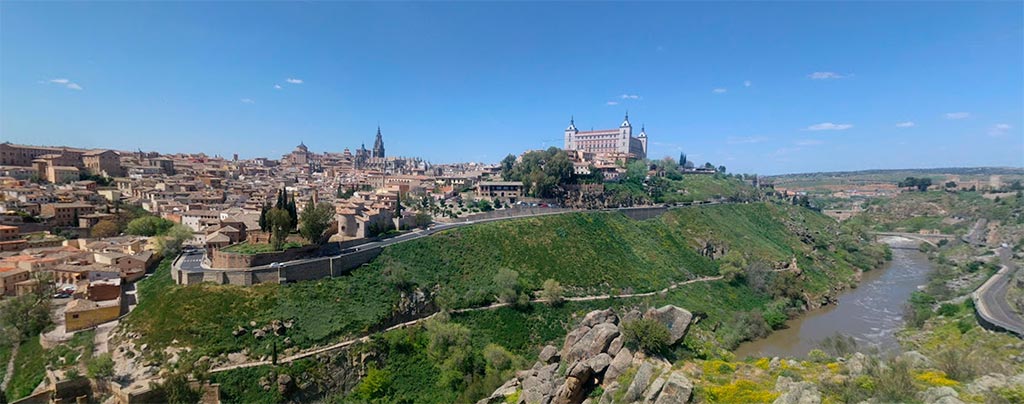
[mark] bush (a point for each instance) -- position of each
(949, 309)
(893, 383)
(838, 345)
(648, 335)
(957, 364)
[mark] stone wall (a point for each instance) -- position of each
(226, 260)
(288, 271)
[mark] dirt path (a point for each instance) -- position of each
(10, 369)
(423, 319)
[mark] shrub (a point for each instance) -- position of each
(957, 364)
(933, 378)
(838, 345)
(893, 383)
(646, 334)
(818, 355)
(949, 309)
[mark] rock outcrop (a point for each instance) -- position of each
(594, 354)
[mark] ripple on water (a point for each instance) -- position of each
(871, 313)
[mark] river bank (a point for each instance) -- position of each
(871, 313)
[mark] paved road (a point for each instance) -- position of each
(976, 231)
(990, 299)
(194, 261)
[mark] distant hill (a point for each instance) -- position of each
(893, 175)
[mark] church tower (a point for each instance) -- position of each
(570, 134)
(378, 145)
(643, 139)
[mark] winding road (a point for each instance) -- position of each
(990, 300)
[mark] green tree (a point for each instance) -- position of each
(105, 228)
(552, 292)
(149, 226)
(101, 367)
(732, 265)
(315, 220)
(280, 224)
(24, 317)
(636, 172)
(263, 217)
(507, 164)
(170, 243)
(682, 160)
(508, 287)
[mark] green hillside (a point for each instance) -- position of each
(588, 253)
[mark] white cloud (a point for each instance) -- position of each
(830, 126)
(999, 129)
(64, 82)
(907, 124)
(719, 90)
(612, 103)
(747, 83)
(808, 142)
(277, 86)
(293, 81)
(745, 139)
(826, 76)
(629, 97)
(248, 101)
(958, 115)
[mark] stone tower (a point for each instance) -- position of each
(378, 145)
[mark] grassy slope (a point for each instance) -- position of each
(29, 369)
(702, 187)
(593, 252)
(588, 253)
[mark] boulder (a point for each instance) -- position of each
(239, 331)
(677, 390)
(284, 383)
(592, 343)
(855, 365)
(549, 355)
(798, 393)
(259, 334)
(571, 391)
(775, 363)
(537, 388)
(640, 381)
(986, 383)
(609, 393)
(599, 316)
(619, 364)
(915, 359)
(676, 319)
(572, 337)
(599, 363)
(654, 389)
(943, 394)
(498, 397)
(616, 345)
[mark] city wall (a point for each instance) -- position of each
(287, 272)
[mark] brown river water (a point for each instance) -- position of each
(871, 313)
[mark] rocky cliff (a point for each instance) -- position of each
(594, 366)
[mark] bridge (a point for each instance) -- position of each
(932, 239)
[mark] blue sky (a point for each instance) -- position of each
(758, 87)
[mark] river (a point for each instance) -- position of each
(871, 313)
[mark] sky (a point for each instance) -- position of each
(760, 87)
